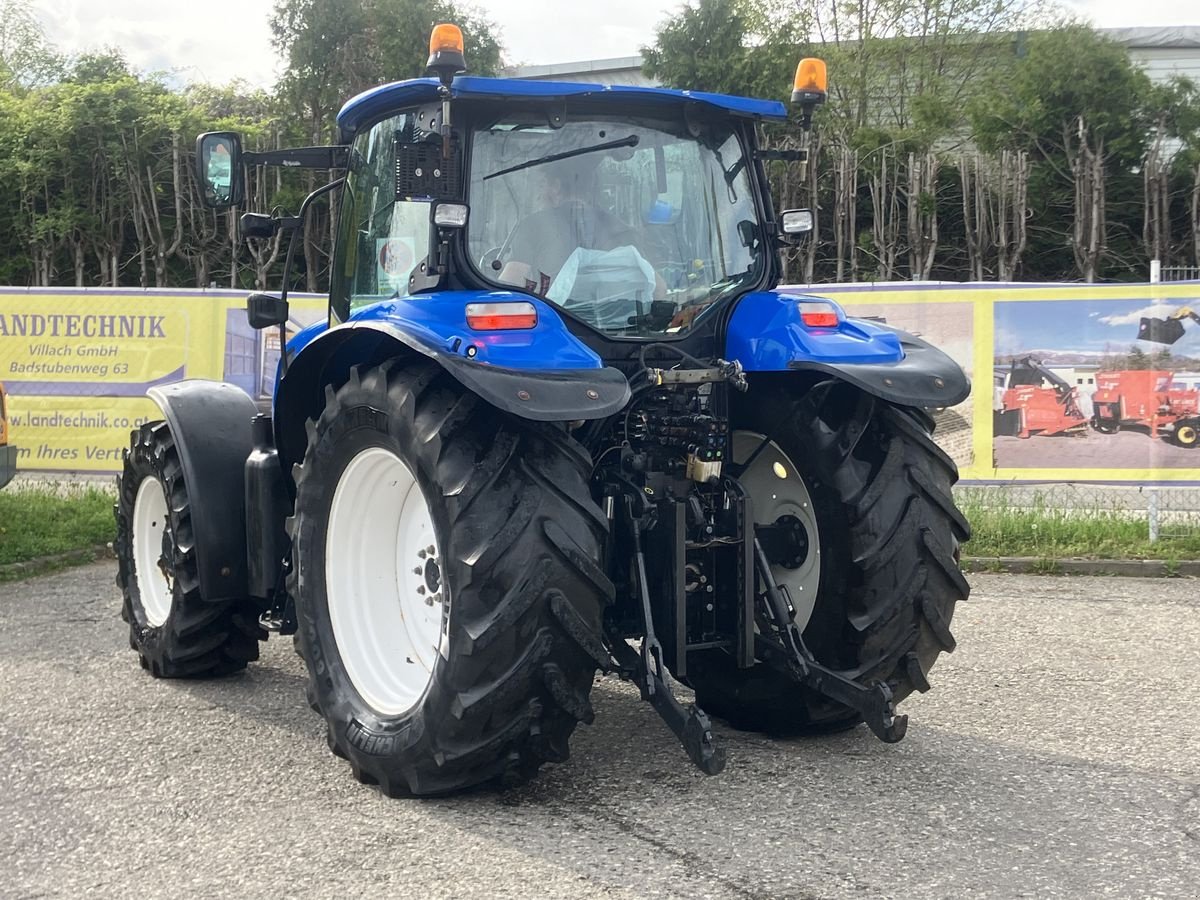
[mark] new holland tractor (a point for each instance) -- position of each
(558, 420)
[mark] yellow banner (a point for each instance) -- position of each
(77, 363)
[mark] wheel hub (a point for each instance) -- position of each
(433, 576)
(785, 542)
(784, 518)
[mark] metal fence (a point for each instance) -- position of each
(1159, 512)
(1179, 273)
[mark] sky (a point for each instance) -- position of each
(1086, 327)
(220, 40)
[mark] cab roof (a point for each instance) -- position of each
(371, 104)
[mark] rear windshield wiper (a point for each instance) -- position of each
(631, 141)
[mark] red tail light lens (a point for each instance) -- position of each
(501, 316)
(819, 315)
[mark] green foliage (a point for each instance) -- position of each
(96, 181)
(26, 57)
(703, 48)
(42, 521)
(338, 48)
(1061, 77)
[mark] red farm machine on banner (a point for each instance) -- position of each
(1035, 400)
(1144, 397)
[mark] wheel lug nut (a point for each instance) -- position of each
(431, 550)
(421, 554)
(418, 571)
(421, 589)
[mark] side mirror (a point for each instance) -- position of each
(219, 168)
(796, 221)
(257, 225)
(263, 310)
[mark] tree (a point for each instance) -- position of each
(1076, 105)
(703, 47)
(338, 48)
(26, 58)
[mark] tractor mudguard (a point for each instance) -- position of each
(544, 373)
(211, 424)
(768, 333)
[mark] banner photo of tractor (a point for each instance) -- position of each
(1110, 386)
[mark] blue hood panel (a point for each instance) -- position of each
(439, 322)
(766, 334)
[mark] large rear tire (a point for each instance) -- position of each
(888, 541)
(447, 582)
(175, 631)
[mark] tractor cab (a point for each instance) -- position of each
(627, 217)
(635, 214)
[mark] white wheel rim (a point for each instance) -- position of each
(383, 581)
(152, 576)
(776, 489)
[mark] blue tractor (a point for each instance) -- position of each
(558, 420)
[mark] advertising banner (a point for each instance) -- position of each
(1071, 383)
(1081, 383)
(77, 364)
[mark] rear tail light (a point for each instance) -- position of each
(501, 316)
(819, 315)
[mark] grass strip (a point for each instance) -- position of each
(1037, 528)
(38, 521)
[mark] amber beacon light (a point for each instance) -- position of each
(811, 82)
(446, 50)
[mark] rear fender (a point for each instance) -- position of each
(544, 374)
(767, 334)
(210, 423)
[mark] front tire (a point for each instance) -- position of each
(888, 577)
(176, 632)
(453, 633)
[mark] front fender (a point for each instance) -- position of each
(210, 423)
(767, 333)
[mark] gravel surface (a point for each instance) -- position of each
(1056, 756)
(1130, 448)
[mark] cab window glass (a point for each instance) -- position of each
(636, 226)
(381, 240)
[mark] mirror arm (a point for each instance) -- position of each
(334, 157)
(292, 224)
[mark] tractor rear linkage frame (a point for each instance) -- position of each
(787, 652)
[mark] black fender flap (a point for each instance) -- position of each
(926, 377)
(544, 395)
(210, 422)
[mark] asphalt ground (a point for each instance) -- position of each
(1057, 755)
